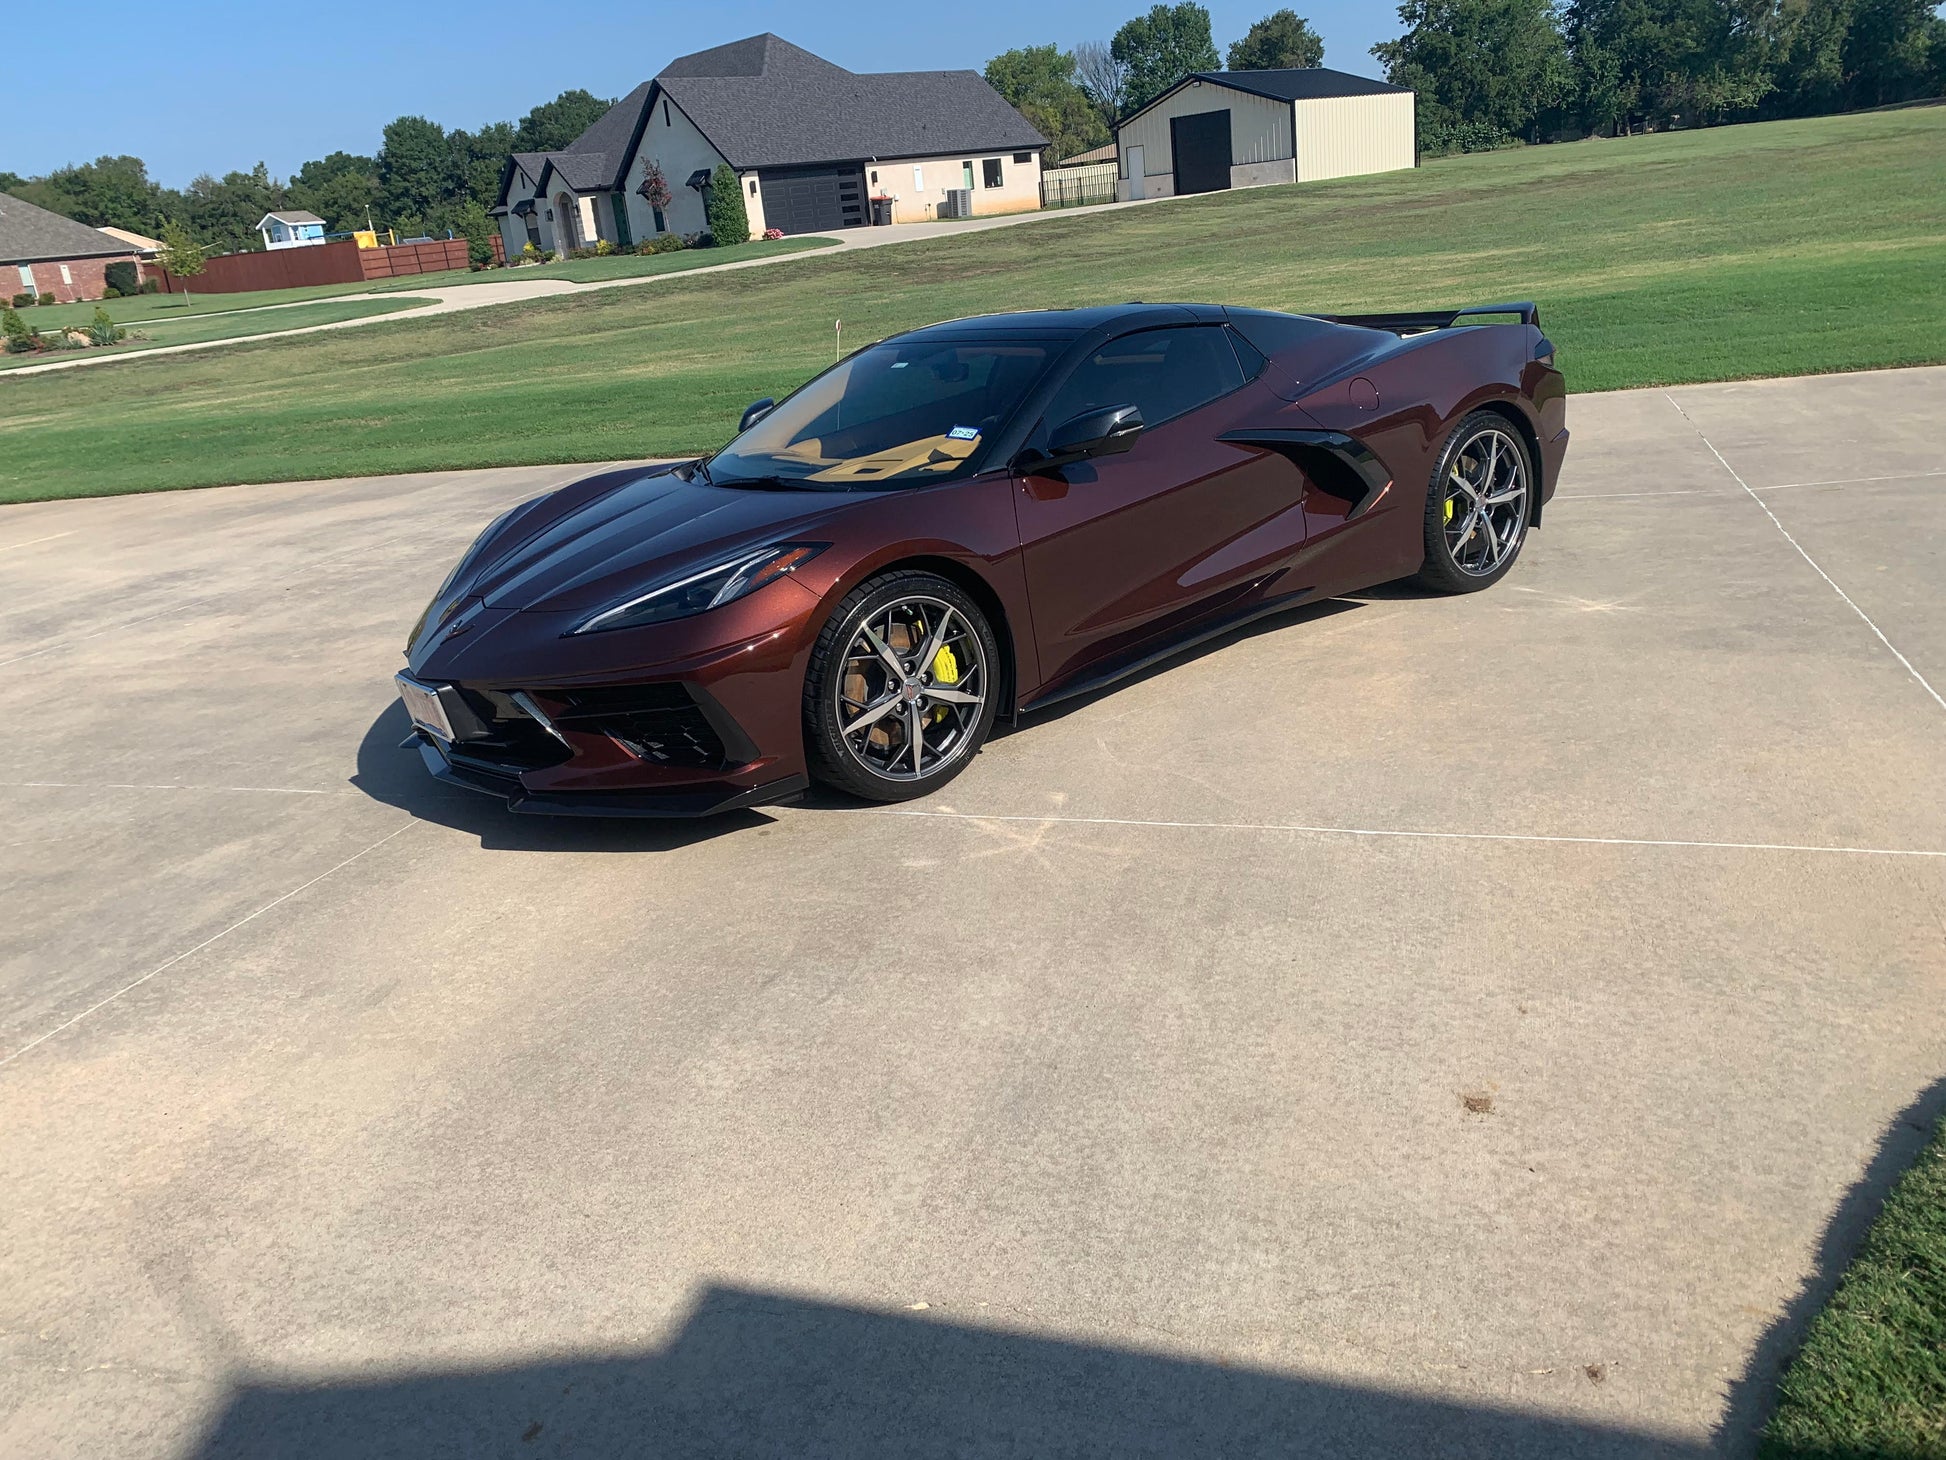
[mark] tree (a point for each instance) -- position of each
(555, 124)
(225, 211)
(1661, 60)
(1484, 70)
(1038, 82)
(181, 255)
(729, 222)
(1102, 77)
(110, 192)
(1282, 40)
(415, 171)
(1162, 47)
(1892, 51)
(342, 189)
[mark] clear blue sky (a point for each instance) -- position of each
(214, 87)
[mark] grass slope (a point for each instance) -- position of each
(229, 326)
(1764, 250)
(1870, 1381)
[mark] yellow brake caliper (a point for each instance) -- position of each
(1449, 509)
(945, 670)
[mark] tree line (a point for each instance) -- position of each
(1491, 72)
(423, 180)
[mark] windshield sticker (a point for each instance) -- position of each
(963, 433)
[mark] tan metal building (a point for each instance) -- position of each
(1245, 129)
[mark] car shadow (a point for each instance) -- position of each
(393, 773)
(763, 1373)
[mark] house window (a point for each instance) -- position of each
(66, 277)
(990, 170)
(875, 177)
(665, 113)
(918, 179)
(753, 187)
(1023, 157)
(27, 277)
(660, 226)
(966, 174)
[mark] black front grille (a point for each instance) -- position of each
(658, 722)
(514, 741)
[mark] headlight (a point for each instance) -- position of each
(698, 592)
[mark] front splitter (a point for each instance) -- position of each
(680, 805)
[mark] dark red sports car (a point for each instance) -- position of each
(973, 519)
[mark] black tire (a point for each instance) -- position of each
(836, 678)
(1447, 570)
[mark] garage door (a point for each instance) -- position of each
(814, 200)
(1201, 144)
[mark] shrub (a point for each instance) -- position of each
(530, 252)
(46, 297)
(122, 277)
(151, 286)
(18, 338)
(668, 243)
(603, 248)
(111, 292)
(21, 301)
(104, 331)
(771, 235)
(729, 221)
(548, 256)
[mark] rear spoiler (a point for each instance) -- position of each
(1445, 319)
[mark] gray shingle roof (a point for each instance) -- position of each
(1312, 83)
(764, 102)
(34, 235)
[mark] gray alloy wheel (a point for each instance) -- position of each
(1478, 505)
(900, 692)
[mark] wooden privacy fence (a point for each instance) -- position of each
(1070, 187)
(324, 263)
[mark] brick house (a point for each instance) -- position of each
(43, 253)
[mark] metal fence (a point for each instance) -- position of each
(1070, 187)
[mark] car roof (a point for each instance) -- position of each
(1067, 324)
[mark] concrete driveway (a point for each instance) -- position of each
(1467, 1027)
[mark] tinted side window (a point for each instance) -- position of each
(1165, 372)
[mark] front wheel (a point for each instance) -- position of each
(901, 689)
(1478, 505)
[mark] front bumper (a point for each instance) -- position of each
(456, 770)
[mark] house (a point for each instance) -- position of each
(145, 247)
(43, 253)
(292, 229)
(1245, 129)
(814, 147)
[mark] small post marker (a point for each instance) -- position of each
(838, 345)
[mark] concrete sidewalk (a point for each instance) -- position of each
(1424, 1026)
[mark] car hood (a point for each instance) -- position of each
(604, 539)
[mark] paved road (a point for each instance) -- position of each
(1419, 1027)
(520, 286)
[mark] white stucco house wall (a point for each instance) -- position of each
(1239, 129)
(814, 147)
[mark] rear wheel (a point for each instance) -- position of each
(1478, 505)
(900, 693)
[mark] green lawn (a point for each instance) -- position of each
(225, 327)
(143, 309)
(1870, 1381)
(1742, 251)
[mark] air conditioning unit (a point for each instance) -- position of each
(958, 204)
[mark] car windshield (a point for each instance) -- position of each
(897, 414)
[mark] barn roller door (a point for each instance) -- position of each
(814, 200)
(1201, 146)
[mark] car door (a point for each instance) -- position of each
(1123, 550)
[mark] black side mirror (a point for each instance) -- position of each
(754, 413)
(1109, 431)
